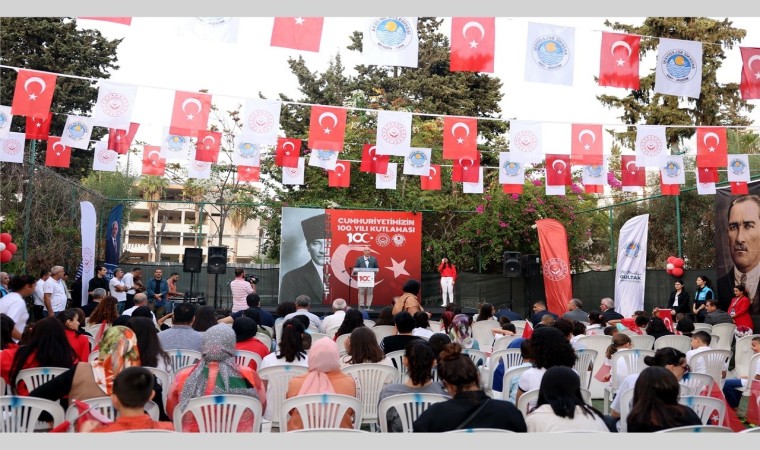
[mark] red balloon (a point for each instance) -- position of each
(669, 271)
(6, 238)
(677, 272)
(678, 262)
(670, 259)
(5, 256)
(11, 247)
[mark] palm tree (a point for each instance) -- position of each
(195, 191)
(240, 212)
(152, 188)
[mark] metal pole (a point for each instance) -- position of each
(28, 201)
(678, 226)
(612, 240)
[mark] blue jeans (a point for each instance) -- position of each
(733, 397)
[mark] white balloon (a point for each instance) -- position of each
(670, 266)
(2, 246)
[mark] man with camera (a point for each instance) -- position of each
(241, 286)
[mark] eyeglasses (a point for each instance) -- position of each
(685, 368)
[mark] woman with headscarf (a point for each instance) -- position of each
(216, 373)
(324, 377)
(461, 332)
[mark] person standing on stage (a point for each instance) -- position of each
(448, 277)
(367, 261)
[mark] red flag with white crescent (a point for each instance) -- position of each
(248, 174)
(633, 175)
(528, 330)
(586, 146)
(432, 182)
(552, 241)
(460, 138)
(152, 163)
(750, 79)
(473, 43)
(287, 153)
(327, 128)
(707, 174)
(120, 140)
(619, 60)
(712, 146)
(558, 170)
(190, 113)
(57, 154)
(207, 147)
(466, 169)
(340, 176)
(753, 408)
(33, 93)
(38, 126)
(372, 162)
(664, 314)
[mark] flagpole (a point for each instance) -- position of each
(678, 225)
(28, 199)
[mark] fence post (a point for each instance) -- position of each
(612, 241)
(28, 200)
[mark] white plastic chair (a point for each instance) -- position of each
(726, 333)
(714, 339)
(381, 331)
(369, 323)
(584, 365)
(408, 407)
(742, 354)
(37, 376)
(20, 414)
(480, 430)
(478, 357)
(321, 410)
(93, 342)
(676, 341)
(524, 401)
(697, 429)
(634, 363)
(329, 430)
(277, 379)
(4, 387)
(600, 344)
(341, 343)
(316, 336)
(711, 410)
(503, 342)
(220, 413)
(481, 332)
(509, 375)
(750, 430)
(697, 383)
(183, 357)
(626, 401)
(435, 327)
(642, 341)
(703, 327)
(511, 357)
(266, 340)
(398, 361)
(244, 357)
(752, 364)
(715, 362)
(278, 330)
(164, 379)
(370, 379)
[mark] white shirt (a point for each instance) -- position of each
(753, 277)
(120, 296)
(332, 321)
(129, 281)
(14, 306)
(129, 311)
(699, 368)
(57, 294)
(39, 294)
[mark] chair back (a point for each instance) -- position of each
(714, 339)
(632, 360)
(626, 401)
(435, 327)
(754, 371)
(4, 387)
(182, 357)
(511, 357)
(584, 365)
(321, 410)
(676, 341)
(398, 362)
(37, 376)
(599, 343)
(696, 383)
(103, 405)
(369, 323)
(725, 331)
(742, 354)
(20, 414)
(93, 342)
(523, 403)
(711, 410)
(164, 379)
(381, 331)
(278, 330)
(697, 429)
(370, 379)
(478, 357)
(341, 343)
(513, 373)
(703, 327)
(481, 332)
(266, 340)
(642, 341)
(244, 358)
(751, 430)
(277, 379)
(221, 413)
(408, 407)
(503, 342)
(714, 361)
(316, 336)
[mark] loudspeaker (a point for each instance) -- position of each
(512, 266)
(193, 260)
(217, 260)
(531, 265)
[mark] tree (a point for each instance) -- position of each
(152, 189)
(54, 44)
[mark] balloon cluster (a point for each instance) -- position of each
(7, 248)
(675, 266)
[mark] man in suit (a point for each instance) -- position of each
(112, 244)
(309, 278)
(367, 261)
(575, 311)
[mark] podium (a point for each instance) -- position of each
(365, 278)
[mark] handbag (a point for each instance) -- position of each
(473, 415)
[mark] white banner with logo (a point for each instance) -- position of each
(88, 226)
(630, 275)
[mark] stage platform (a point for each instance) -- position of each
(321, 310)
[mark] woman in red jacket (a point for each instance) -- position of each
(79, 342)
(448, 277)
(739, 308)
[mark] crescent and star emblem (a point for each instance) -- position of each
(191, 101)
(477, 26)
(616, 44)
(38, 80)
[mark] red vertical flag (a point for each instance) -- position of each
(120, 140)
(38, 126)
(739, 188)
(152, 163)
(372, 162)
(249, 174)
(512, 188)
(432, 182)
(707, 174)
(712, 147)
(472, 44)
(750, 82)
(460, 138)
(586, 146)
(552, 241)
(466, 170)
(57, 154)
(633, 175)
(33, 94)
(300, 33)
(558, 170)
(340, 176)
(327, 128)
(619, 61)
(207, 147)
(287, 153)
(190, 113)
(669, 189)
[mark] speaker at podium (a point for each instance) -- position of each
(365, 279)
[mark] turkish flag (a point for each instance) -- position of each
(300, 33)
(633, 175)
(465, 170)
(619, 60)
(248, 173)
(594, 188)
(38, 126)
(707, 174)
(558, 170)
(288, 151)
(432, 182)
(190, 113)
(327, 128)
(753, 408)
(552, 241)
(750, 82)
(207, 147)
(472, 44)
(586, 147)
(340, 177)
(460, 138)
(120, 140)
(739, 188)
(712, 146)
(372, 162)
(152, 163)
(630, 323)
(57, 154)
(512, 188)
(33, 94)
(669, 189)
(527, 330)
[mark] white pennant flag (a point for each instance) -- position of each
(261, 121)
(651, 146)
(212, 29)
(12, 148)
(88, 230)
(325, 159)
(679, 68)
(294, 175)
(595, 174)
(199, 170)
(390, 41)
(77, 131)
(636, 189)
(417, 162)
(387, 180)
(738, 168)
(550, 54)
(673, 171)
(630, 274)
(706, 188)
(246, 153)
(394, 133)
(555, 190)
(525, 141)
(175, 147)
(104, 159)
(5, 120)
(510, 171)
(114, 106)
(474, 188)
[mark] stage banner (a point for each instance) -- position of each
(319, 248)
(552, 240)
(113, 240)
(630, 274)
(88, 226)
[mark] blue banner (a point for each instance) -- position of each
(113, 240)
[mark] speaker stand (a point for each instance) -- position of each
(216, 290)
(190, 294)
